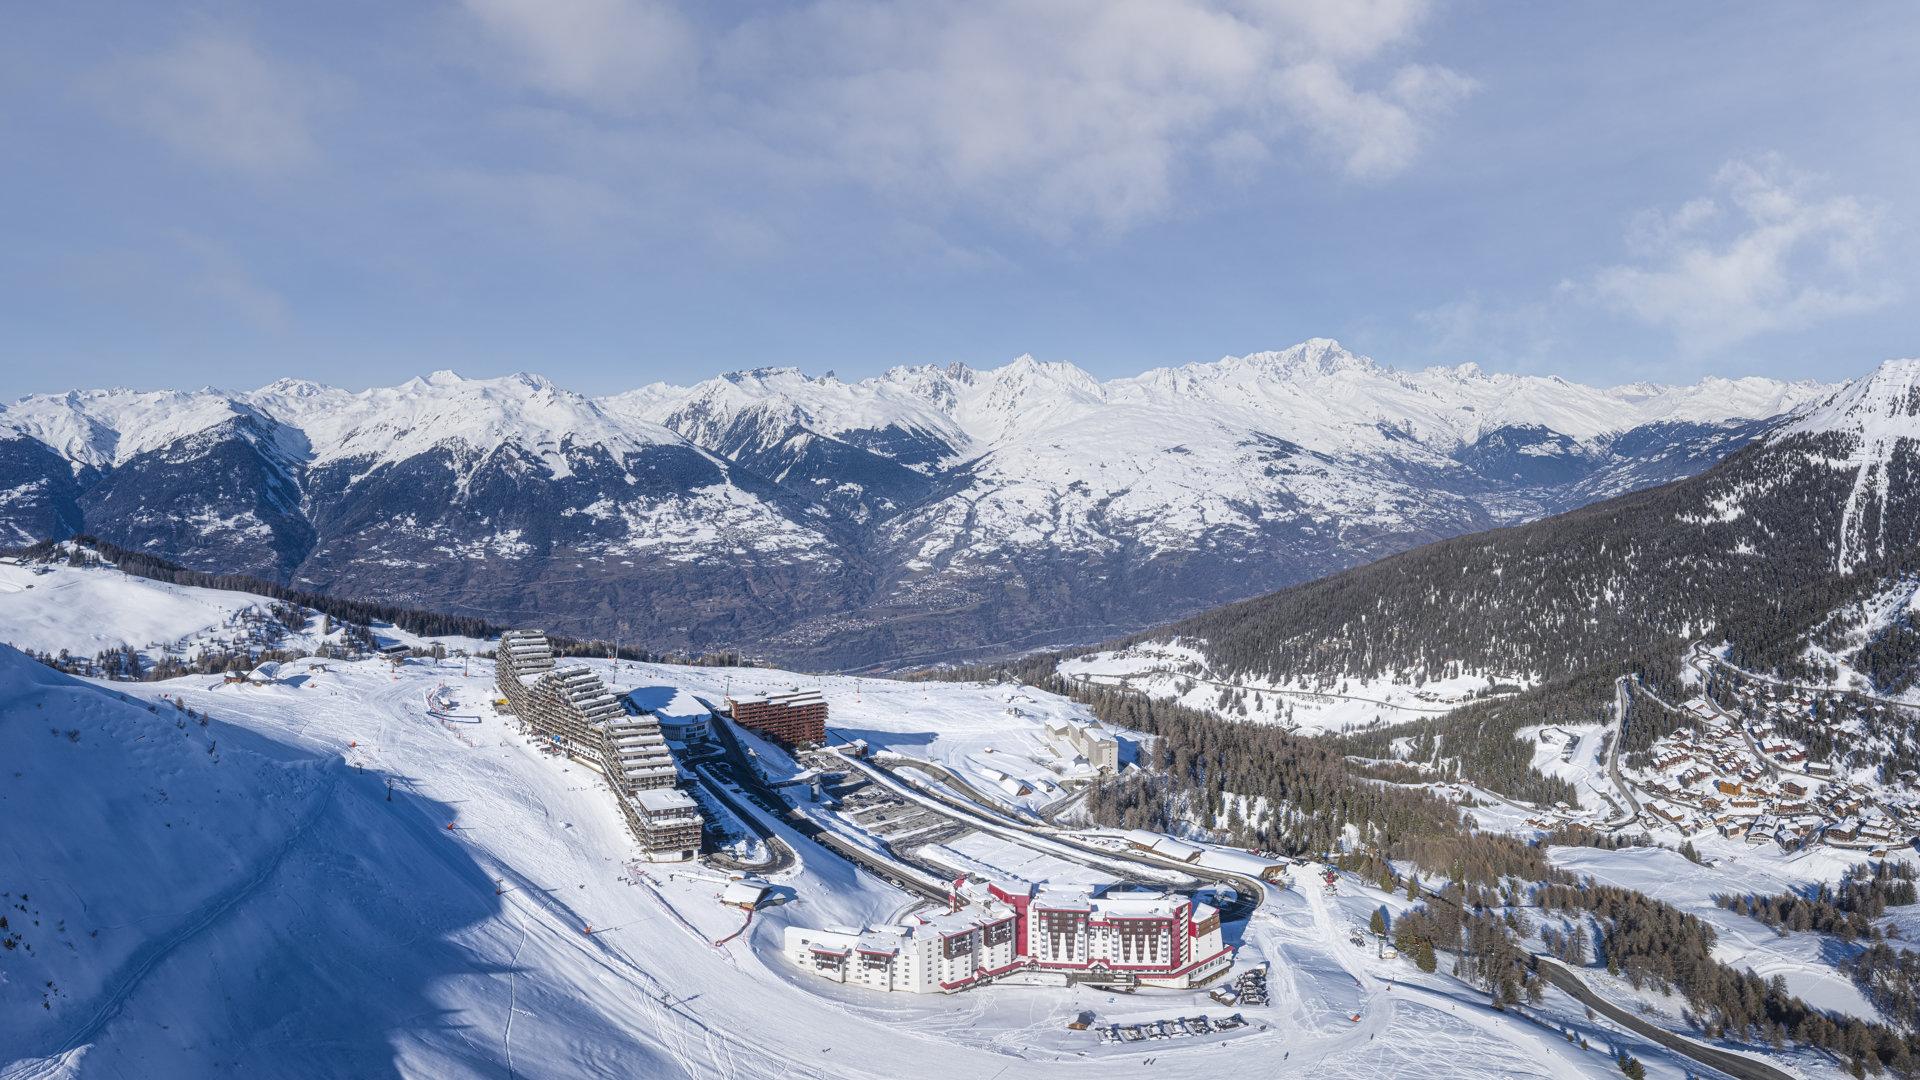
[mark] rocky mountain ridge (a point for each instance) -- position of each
(927, 513)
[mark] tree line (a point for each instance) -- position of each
(1848, 911)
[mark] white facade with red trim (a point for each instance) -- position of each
(997, 930)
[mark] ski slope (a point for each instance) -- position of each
(86, 610)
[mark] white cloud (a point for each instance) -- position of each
(616, 55)
(1065, 118)
(1762, 252)
(216, 97)
(1372, 133)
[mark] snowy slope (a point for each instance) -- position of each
(265, 910)
(128, 824)
(1875, 426)
(86, 610)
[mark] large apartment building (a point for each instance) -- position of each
(796, 718)
(1026, 934)
(1088, 741)
(572, 709)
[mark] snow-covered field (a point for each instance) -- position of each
(85, 610)
(264, 909)
(88, 609)
(1571, 752)
(1179, 672)
(1806, 960)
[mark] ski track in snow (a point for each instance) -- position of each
(513, 980)
(137, 968)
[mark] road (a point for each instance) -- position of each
(1699, 651)
(779, 855)
(1698, 658)
(1250, 892)
(749, 780)
(1733, 1064)
(1622, 707)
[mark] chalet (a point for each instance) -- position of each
(1668, 813)
(745, 893)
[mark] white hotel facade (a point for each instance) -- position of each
(1044, 935)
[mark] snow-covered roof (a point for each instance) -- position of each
(1237, 862)
(791, 698)
(745, 892)
(664, 800)
(1170, 848)
(1136, 905)
(671, 705)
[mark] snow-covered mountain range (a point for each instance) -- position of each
(1801, 554)
(926, 513)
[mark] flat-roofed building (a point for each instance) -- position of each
(796, 718)
(668, 824)
(1080, 738)
(1012, 931)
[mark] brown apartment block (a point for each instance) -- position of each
(795, 718)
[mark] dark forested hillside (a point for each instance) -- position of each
(1746, 551)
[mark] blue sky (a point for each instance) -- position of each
(614, 192)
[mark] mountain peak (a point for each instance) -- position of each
(1314, 356)
(296, 388)
(1883, 405)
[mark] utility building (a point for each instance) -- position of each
(571, 708)
(797, 718)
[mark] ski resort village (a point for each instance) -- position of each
(526, 857)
